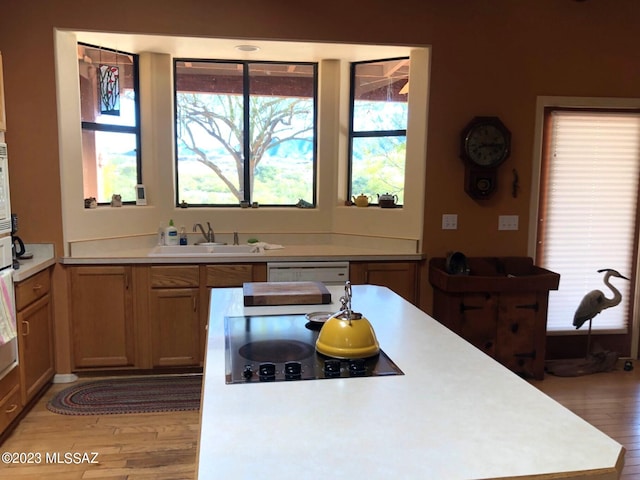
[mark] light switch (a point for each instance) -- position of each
(449, 221)
(508, 222)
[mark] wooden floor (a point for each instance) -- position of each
(163, 446)
(610, 401)
(152, 446)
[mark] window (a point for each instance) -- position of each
(587, 222)
(110, 129)
(245, 131)
(378, 127)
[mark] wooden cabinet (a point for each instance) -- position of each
(102, 316)
(176, 329)
(519, 340)
(35, 333)
(10, 400)
(179, 308)
(501, 308)
(146, 316)
(401, 277)
(234, 275)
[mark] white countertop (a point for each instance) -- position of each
(290, 253)
(43, 257)
(455, 414)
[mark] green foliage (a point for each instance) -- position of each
(119, 176)
(378, 166)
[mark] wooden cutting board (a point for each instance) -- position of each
(285, 293)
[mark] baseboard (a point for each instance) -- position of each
(65, 378)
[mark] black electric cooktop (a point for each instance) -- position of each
(273, 348)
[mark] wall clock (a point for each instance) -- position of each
(485, 143)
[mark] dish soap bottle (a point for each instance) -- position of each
(183, 235)
(171, 234)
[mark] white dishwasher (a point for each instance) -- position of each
(329, 273)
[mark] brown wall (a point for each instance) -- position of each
(489, 57)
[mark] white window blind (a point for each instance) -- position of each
(588, 214)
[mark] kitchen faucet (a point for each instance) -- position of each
(209, 236)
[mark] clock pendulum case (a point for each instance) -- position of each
(485, 144)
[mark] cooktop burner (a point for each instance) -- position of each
(271, 348)
(276, 351)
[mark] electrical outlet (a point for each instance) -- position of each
(449, 221)
(508, 222)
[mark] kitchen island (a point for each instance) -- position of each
(454, 414)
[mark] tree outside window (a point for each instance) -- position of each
(378, 130)
(245, 131)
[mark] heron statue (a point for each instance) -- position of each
(595, 301)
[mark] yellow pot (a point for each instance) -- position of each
(343, 338)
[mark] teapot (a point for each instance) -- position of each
(387, 200)
(347, 334)
(361, 200)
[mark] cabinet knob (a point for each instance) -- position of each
(37, 287)
(12, 408)
(26, 328)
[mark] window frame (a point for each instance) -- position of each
(366, 133)
(246, 78)
(113, 128)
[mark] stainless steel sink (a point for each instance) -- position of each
(202, 250)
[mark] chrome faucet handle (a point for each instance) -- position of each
(211, 237)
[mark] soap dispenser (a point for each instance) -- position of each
(183, 235)
(171, 234)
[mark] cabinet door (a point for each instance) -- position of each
(35, 346)
(102, 317)
(478, 320)
(401, 277)
(517, 333)
(175, 326)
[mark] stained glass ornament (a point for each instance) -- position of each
(109, 77)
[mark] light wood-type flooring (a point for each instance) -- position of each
(159, 446)
(152, 446)
(610, 401)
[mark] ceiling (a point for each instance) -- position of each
(225, 48)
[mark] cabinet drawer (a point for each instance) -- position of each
(32, 288)
(229, 275)
(10, 403)
(10, 381)
(175, 276)
(10, 407)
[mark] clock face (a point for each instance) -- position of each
(486, 145)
